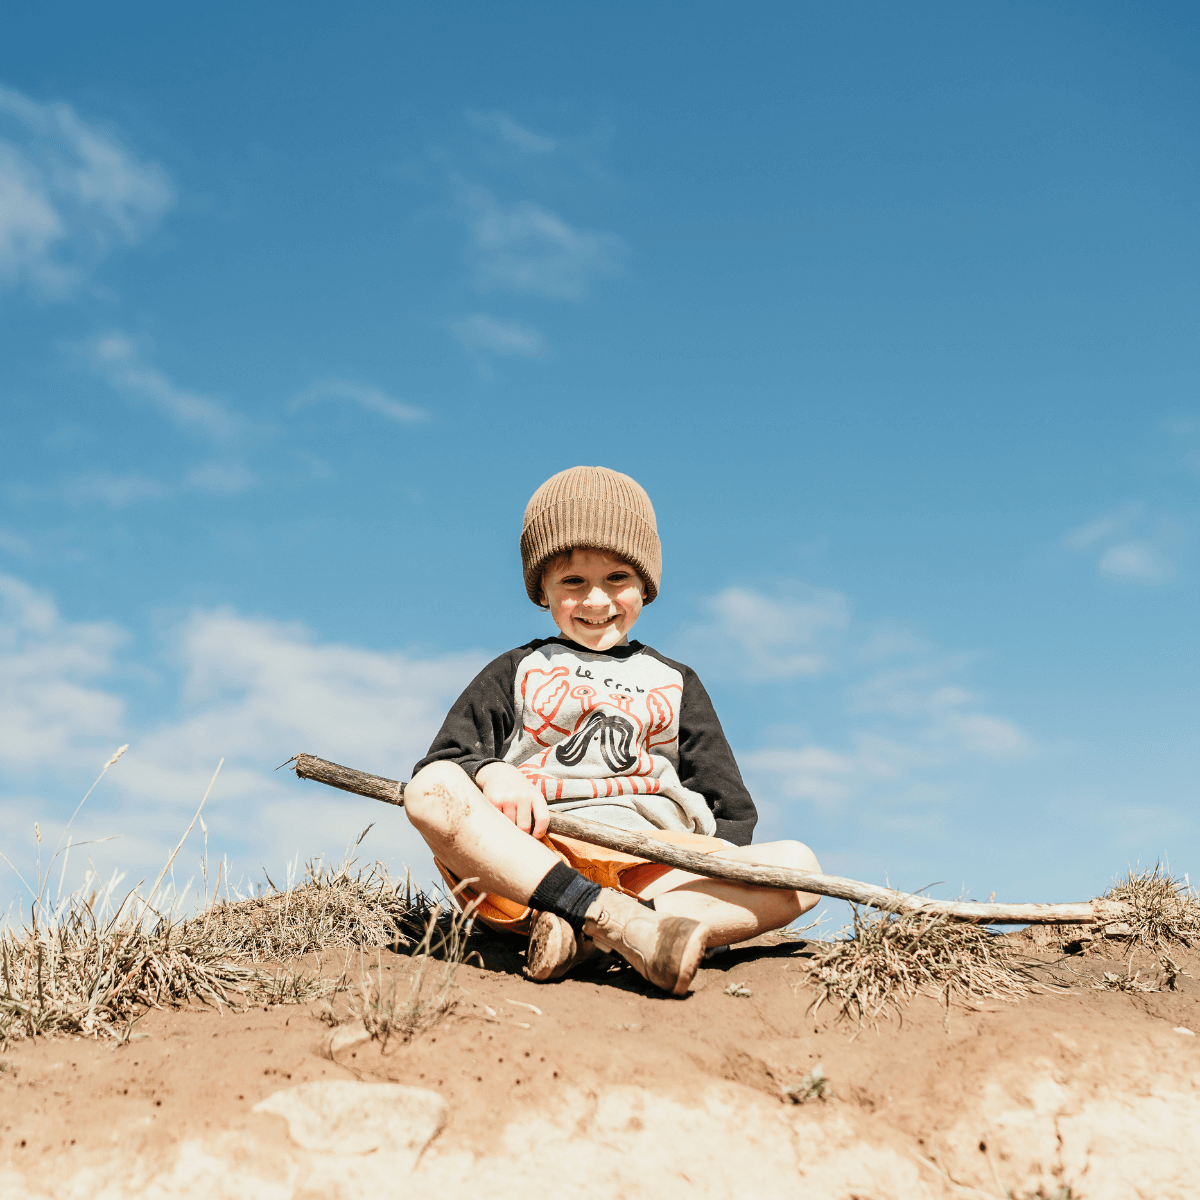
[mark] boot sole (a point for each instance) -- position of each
(548, 955)
(677, 955)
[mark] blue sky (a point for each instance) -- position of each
(892, 309)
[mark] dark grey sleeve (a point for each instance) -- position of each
(478, 729)
(707, 765)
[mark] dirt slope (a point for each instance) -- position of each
(614, 1091)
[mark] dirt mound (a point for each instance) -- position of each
(599, 1087)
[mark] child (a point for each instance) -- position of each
(610, 730)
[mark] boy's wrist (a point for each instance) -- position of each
(482, 766)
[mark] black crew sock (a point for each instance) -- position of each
(565, 893)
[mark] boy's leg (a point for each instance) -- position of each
(735, 912)
(473, 839)
(476, 841)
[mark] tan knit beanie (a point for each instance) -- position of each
(593, 507)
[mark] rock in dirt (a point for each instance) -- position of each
(359, 1118)
(342, 1038)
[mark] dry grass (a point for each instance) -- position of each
(334, 908)
(86, 965)
(1133, 984)
(75, 972)
(889, 958)
(1165, 911)
(422, 997)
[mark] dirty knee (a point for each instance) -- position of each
(435, 800)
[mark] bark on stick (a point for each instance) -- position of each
(1091, 912)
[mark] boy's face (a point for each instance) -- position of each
(595, 598)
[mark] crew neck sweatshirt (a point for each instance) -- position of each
(626, 733)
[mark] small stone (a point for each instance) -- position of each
(343, 1037)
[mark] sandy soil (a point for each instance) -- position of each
(613, 1090)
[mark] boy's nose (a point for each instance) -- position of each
(596, 598)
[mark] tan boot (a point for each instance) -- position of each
(555, 948)
(664, 950)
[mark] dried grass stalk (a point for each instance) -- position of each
(74, 973)
(889, 958)
(92, 969)
(405, 1011)
(335, 907)
(1164, 911)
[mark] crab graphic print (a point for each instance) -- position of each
(625, 729)
(593, 729)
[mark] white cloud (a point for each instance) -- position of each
(901, 724)
(1132, 544)
(1103, 529)
(516, 140)
(523, 247)
(69, 192)
(904, 742)
(481, 333)
(370, 398)
(253, 691)
(115, 357)
(117, 491)
(751, 636)
(1138, 561)
(52, 710)
(221, 478)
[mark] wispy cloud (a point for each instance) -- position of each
(115, 491)
(905, 732)
(523, 247)
(1132, 544)
(116, 358)
(13, 543)
(69, 193)
(483, 334)
(513, 139)
(220, 478)
(756, 637)
(253, 691)
(51, 705)
(901, 721)
(370, 398)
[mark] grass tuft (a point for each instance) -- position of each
(76, 973)
(334, 908)
(1164, 911)
(889, 958)
(85, 966)
(422, 997)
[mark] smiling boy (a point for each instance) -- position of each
(610, 730)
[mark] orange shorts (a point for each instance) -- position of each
(609, 868)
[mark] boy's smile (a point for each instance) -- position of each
(595, 598)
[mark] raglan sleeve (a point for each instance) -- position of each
(707, 765)
(477, 729)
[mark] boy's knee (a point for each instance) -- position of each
(434, 798)
(798, 857)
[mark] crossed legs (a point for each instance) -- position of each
(476, 840)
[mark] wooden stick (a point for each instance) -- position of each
(641, 845)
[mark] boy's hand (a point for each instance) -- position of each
(504, 787)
